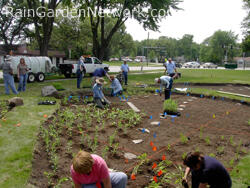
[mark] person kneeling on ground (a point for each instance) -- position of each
(91, 171)
(167, 82)
(99, 98)
(206, 171)
(116, 86)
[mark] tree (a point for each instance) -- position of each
(143, 11)
(246, 29)
(13, 25)
(215, 48)
(43, 20)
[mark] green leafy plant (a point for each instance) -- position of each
(248, 122)
(49, 175)
(169, 147)
(58, 86)
(207, 140)
(143, 159)
(201, 132)
(220, 149)
(170, 105)
(211, 155)
(184, 155)
(222, 137)
(231, 140)
(183, 138)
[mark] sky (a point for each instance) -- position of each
(200, 18)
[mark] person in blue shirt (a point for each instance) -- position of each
(99, 73)
(165, 82)
(116, 86)
(99, 98)
(206, 171)
(125, 70)
(170, 68)
(80, 71)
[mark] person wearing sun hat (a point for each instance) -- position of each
(99, 98)
(166, 82)
(8, 75)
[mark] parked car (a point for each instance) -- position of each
(114, 59)
(209, 65)
(127, 59)
(69, 67)
(192, 64)
(137, 60)
(39, 67)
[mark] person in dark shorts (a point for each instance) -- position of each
(205, 171)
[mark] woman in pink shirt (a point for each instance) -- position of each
(91, 171)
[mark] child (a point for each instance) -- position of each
(91, 171)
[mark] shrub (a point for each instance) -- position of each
(170, 105)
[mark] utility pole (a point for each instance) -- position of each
(147, 49)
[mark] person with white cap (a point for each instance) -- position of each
(8, 75)
(166, 82)
(80, 71)
(99, 98)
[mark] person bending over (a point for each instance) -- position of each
(166, 82)
(91, 171)
(206, 171)
(116, 86)
(99, 98)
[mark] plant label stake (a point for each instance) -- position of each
(143, 130)
(154, 148)
(187, 115)
(202, 96)
(159, 124)
(188, 95)
(151, 144)
(213, 97)
(165, 113)
(154, 135)
(123, 97)
(150, 117)
(222, 98)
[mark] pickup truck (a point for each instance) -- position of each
(69, 67)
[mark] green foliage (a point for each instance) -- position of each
(143, 159)
(207, 140)
(248, 123)
(211, 155)
(58, 86)
(170, 105)
(220, 150)
(183, 138)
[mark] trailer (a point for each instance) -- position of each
(39, 67)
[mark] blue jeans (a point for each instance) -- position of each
(9, 81)
(168, 90)
(22, 82)
(116, 94)
(79, 78)
(125, 74)
(118, 180)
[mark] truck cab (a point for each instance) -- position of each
(69, 67)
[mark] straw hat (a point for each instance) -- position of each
(100, 81)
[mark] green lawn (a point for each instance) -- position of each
(17, 143)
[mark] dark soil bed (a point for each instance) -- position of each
(213, 127)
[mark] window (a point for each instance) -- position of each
(88, 60)
(96, 61)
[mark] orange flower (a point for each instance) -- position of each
(45, 115)
(154, 166)
(151, 144)
(155, 179)
(126, 160)
(154, 148)
(160, 173)
(133, 177)
(18, 125)
(163, 157)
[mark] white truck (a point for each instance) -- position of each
(39, 67)
(69, 67)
